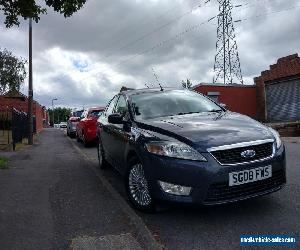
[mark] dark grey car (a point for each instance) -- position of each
(179, 146)
(71, 125)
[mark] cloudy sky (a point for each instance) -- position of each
(85, 59)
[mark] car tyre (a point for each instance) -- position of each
(77, 137)
(101, 158)
(84, 140)
(137, 187)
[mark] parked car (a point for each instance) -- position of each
(71, 125)
(86, 129)
(179, 146)
(77, 113)
(63, 125)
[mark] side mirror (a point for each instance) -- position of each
(223, 105)
(115, 119)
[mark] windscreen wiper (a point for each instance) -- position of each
(215, 110)
(193, 112)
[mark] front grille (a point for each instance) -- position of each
(233, 155)
(220, 192)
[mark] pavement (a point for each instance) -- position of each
(52, 197)
(220, 227)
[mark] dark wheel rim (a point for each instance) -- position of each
(138, 186)
(100, 159)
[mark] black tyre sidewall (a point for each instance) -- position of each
(104, 163)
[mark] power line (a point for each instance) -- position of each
(147, 21)
(180, 34)
(268, 13)
(144, 21)
(158, 28)
(175, 37)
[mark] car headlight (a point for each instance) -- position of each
(175, 150)
(277, 137)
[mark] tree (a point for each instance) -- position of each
(186, 84)
(60, 114)
(12, 71)
(13, 9)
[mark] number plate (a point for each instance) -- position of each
(251, 175)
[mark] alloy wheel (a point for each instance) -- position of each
(138, 186)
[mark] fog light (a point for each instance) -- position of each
(174, 189)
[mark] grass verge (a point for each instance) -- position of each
(3, 162)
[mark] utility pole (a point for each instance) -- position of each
(227, 63)
(30, 88)
(55, 99)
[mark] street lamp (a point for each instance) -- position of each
(54, 99)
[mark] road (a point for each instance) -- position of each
(219, 227)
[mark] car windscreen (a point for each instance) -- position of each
(74, 119)
(170, 103)
(95, 113)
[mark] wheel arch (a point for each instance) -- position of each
(132, 154)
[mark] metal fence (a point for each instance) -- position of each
(5, 126)
(13, 126)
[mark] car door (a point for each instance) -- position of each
(106, 129)
(79, 126)
(119, 133)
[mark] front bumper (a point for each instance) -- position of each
(72, 130)
(210, 180)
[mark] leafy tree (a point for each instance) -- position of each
(12, 71)
(13, 9)
(60, 114)
(186, 84)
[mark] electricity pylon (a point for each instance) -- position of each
(227, 66)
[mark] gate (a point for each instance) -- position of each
(283, 100)
(19, 126)
(5, 126)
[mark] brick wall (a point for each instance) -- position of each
(21, 103)
(238, 98)
(285, 68)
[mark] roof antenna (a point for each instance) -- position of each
(147, 85)
(161, 88)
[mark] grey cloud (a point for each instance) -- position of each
(102, 27)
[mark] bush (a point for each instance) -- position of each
(3, 162)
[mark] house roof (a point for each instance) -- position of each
(15, 94)
(223, 85)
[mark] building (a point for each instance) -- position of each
(275, 96)
(238, 98)
(17, 100)
(278, 91)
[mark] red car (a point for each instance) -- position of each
(86, 129)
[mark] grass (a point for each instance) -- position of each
(3, 162)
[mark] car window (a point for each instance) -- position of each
(121, 106)
(170, 103)
(95, 113)
(110, 108)
(83, 115)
